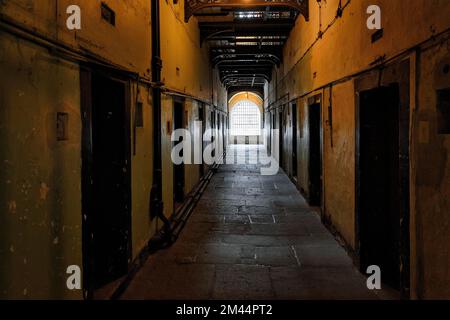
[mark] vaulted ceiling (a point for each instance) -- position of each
(245, 37)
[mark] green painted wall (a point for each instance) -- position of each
(40, 189)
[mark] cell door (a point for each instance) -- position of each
(281, 137)
(315, 155)
(201, 119)
(379, 182)
(294, 141)
(106, 179)
(178, 169)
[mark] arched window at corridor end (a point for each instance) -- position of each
(245, 119)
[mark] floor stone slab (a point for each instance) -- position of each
(251, 237)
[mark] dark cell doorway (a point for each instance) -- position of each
(379, 182)
(272, 137)
(223, 131)
(294, 141)
(201, 119)
(214, 132)
(178, 169)
(280, 137)
(108, 213)
(315, 155)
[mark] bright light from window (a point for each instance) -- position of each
(245, 119)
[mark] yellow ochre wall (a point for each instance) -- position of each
(41, 235)
(344, 50)
(187, 74)
(40, 178)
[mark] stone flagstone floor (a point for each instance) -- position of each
(251, 237)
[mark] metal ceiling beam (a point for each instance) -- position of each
(245, 57)
(192, 7)
(249, 24)
(244, 76)
(251, 68)
(275, 50)
(261, 63)
(246, 69)
(267, 73)
(247, 62)
(246, 46)
(272, 34)
(249, 81)
(249, 84)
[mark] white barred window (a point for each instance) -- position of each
(245, 119)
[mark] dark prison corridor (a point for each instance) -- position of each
(115, 117)
(251, 237)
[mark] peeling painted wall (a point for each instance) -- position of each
(40, 185)
(186, 65)
(40, 178)
(191, 171)
(186, 71)
(432, 173)
(142, 170)
(339, 159)
(345, 49)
